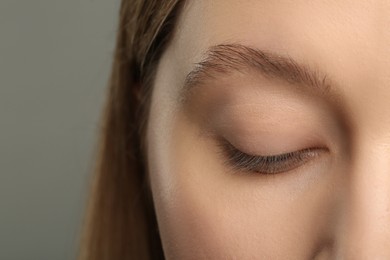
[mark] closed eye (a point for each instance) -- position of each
(270, 164)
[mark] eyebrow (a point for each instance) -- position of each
(223, 59)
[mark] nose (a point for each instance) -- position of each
(365, 232)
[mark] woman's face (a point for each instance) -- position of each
(243, 82)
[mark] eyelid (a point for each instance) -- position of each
(267, 164)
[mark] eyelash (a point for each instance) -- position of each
(272, 164)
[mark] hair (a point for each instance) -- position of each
(120, 221)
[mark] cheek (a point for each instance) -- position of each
(204, 211)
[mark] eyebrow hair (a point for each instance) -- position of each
(226, 58)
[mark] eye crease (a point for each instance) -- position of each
(267, 164)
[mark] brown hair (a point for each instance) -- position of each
(120, 221)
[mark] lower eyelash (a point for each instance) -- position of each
(272, 164)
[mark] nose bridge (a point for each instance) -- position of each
(367, 218)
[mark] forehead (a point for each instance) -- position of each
(349, 40)
(341, 33)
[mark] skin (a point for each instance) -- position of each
(336, 205)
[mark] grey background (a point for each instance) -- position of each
(55, 57)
